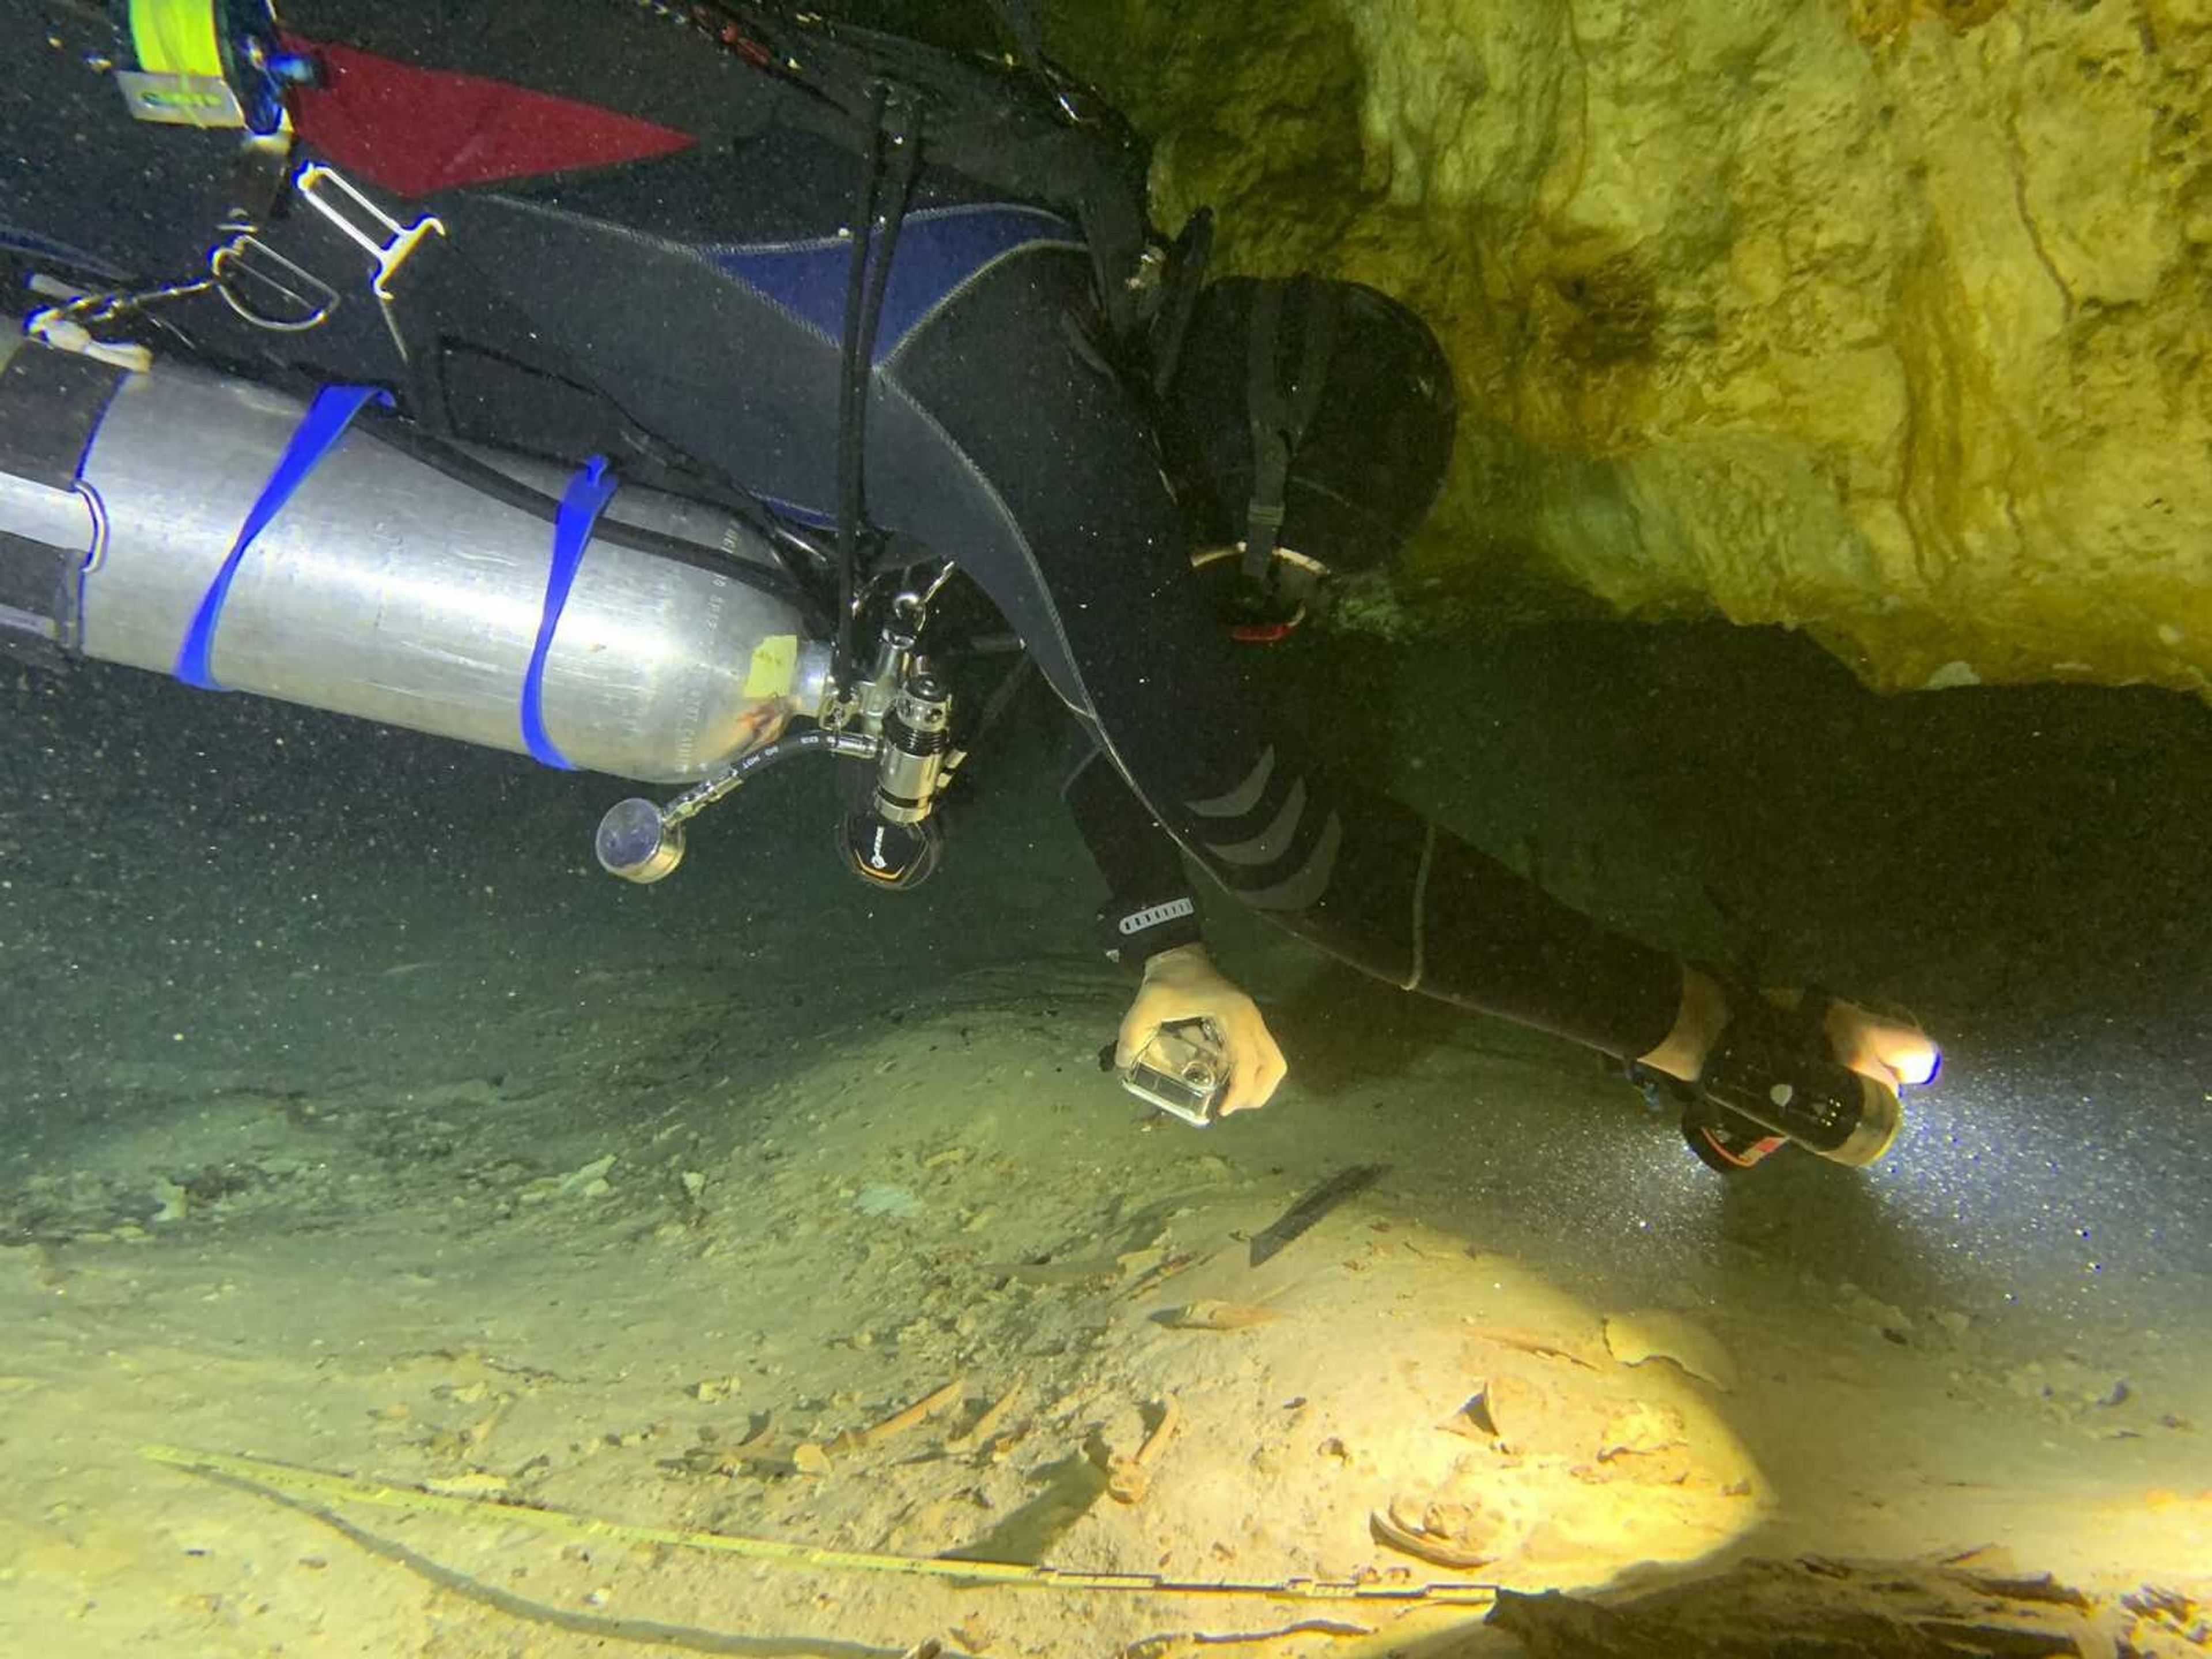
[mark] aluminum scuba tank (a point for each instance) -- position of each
(384, 587)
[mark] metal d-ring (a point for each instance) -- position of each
(246, 271)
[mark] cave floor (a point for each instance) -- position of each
(452, 1287)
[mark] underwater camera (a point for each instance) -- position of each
(1181, 1070)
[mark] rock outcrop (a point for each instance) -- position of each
(1891, 319)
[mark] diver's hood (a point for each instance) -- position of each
(1349, 390)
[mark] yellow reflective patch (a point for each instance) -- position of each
(774, 666)
(176, 37)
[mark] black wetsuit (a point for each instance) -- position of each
(697, 295)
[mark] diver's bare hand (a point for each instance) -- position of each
(1890, 1051)
(1184, 984)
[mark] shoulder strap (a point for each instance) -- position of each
(1280, 414)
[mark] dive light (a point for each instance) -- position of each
(1819, 1103)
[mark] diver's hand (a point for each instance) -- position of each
(1893, 1052)
(1184, 984)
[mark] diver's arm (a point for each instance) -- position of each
(1150, 906)
(1151, 924)
(1698, 1026)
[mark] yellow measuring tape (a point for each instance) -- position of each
(176, 37)
(289, 1479)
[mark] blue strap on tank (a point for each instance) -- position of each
(586, 498)
(325, 422)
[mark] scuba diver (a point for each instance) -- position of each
(624, 383)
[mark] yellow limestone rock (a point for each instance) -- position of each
(1891, 319)
(1655, 1334)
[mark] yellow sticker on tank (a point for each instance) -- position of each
(176, 37)
(774, 666)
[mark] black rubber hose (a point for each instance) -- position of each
(742, 771)
(853, 370)
(462, 468)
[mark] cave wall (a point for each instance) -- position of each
(1885, 318)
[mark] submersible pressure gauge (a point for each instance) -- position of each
(636, 841)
